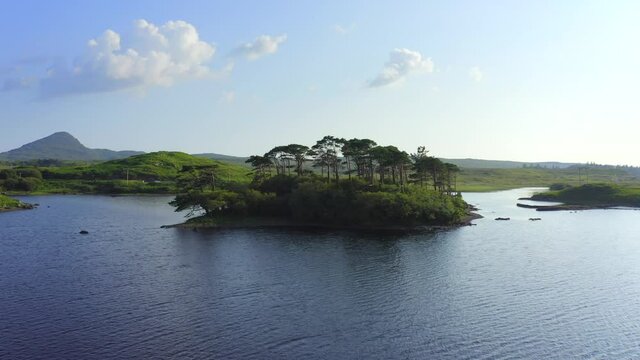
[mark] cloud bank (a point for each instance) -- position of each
(476, 74)
(402, 62)
(13, 84)
(151, 56)
(260, 46)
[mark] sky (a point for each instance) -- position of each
(510, 80)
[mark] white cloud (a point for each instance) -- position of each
(401, 63)
(228, 97)
(476, 74)
(343, 30)
(260, 46)
(150, 56)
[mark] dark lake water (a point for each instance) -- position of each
(564, 287)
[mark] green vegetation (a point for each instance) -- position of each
(8, 203)
(593, 195)
(505, 164)
(359, 184)
(501, 179)
(236, 160)
(333, 159)
(147, 173)
(158, 166)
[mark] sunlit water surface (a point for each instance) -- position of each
(564, 287)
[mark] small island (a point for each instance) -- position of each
(587, 196)
(336, 183)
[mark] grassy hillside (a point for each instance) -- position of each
(158, 166)
(496, 179)
(146, 173)
(594, 195)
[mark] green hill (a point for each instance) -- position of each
(147, 173)
(62, 146)
(156, 166)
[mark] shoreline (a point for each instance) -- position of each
(21, 206)
(5, 210)
(571, 207)
(254, 223)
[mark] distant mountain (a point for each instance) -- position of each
(463, 163)
(62, 146)
(238, 160)
(505, 164)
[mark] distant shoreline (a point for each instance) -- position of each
(574, 207)
(586, 197)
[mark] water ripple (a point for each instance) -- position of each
(564, 288)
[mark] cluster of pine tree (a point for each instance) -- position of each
(336, 181)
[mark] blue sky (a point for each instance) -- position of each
(530, 81)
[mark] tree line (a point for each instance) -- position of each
(335, 158)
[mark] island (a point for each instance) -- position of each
(336, 183)
(586, 196)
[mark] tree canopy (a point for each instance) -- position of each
(335, 181)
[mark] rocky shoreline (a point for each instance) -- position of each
(9, 204)
(21, 206)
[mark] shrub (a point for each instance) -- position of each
(29, 173)
(22, 184)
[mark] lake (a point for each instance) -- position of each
(567, 286)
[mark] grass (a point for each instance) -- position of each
(479, 180)
(153, 173)
(8, 203)
(147, 173)
(594, 195)
(158, 166)
(157, 173)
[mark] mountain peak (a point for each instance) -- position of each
(60, 134)
(59, 137)
(62, 146)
